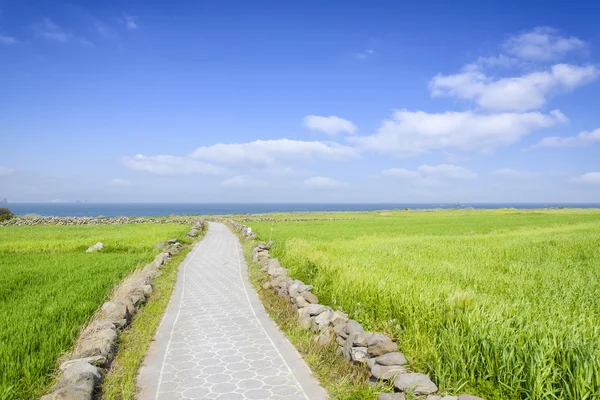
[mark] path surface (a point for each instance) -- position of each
(216, 340)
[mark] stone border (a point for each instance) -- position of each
(39, 220)
(97, 345)
(378, 352)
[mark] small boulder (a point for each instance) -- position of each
(358, 354)
(324, 337)
(387, 373)
(419, 384)
(380, 344)
(78, 373)
(362, 339)
(315, 309)
(354, 327)
(395, 358)
(391, 396)
(114, 310)
(311, 298)
(324, 319)
(301, 302)
(97, 361)
(468, 397)
(339, 318)
(98, 246)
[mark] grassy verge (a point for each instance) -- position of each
(119, 382)
(50, 287)
(503, 304)
(342, 380)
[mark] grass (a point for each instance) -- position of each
(119, 382)
(50, 287)
(504, 304)
(342, 380)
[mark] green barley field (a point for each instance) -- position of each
(504, 304)
(50, 287)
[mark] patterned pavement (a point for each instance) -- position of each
(216, 341)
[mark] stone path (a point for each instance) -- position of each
(216, 340)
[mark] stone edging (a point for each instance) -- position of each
(39, 220)
(376, 351)
(97, 345)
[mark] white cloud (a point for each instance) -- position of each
(331, 125)
(5, 171)
(509, 173)
(169, 165)
(8, 40)
(322, 182)
(120, 182)
(271, 153)
(413, 133)
(130, 22)
(241, 182)
(592, 178)
(365, 54)
(542, 44)
(48, 29)
(447, 171)
(431, 176)
(402, 174)
(519, 93)
(582, 139)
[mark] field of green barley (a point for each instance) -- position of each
(504, 304)
(50, 287)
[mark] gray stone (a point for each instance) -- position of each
(433, 397)
(147, 289)
(172, 241)
(97, 361)
(395, 358)
(324, 319)
(359, 354)
(387, 373)
(306, 322)
(468, 397)
(391, 396)
(362, 339)
(272, 265)
(324, 338)
(340, 330)
(302, 312)
(114, 310)
(379, 344)
(370, 363)
(311, 298)
(354, 327)
(415, 383)
(98, 246)
(301, 302)
(79, 391)
(340, 341)
(316, 309)
(339, 318)
(77, 373)
(97, 342)
(348, 347)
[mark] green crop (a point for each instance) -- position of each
(504, 304)
(50, 287)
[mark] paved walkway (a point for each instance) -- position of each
(216, 340)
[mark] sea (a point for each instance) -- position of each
(160, 209)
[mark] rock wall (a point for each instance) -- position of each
(97, 345)
(376, 351)
(20, 221)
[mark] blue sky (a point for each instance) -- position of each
(299, 101)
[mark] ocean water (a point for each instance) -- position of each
(159, 209)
